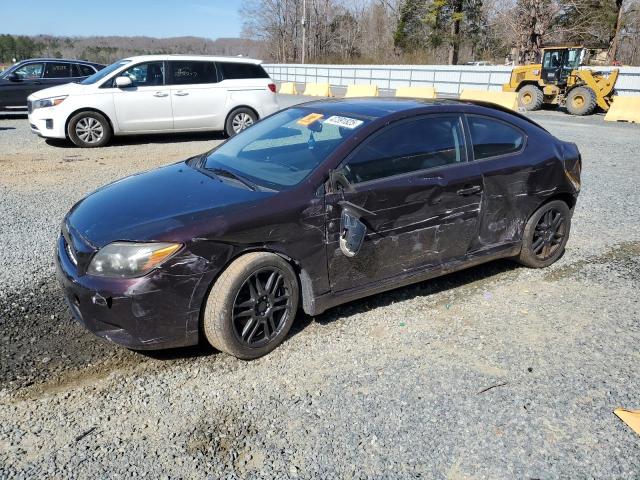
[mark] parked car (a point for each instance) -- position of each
(317, 205)
(479, 63)
(156, 94)
(29, 76)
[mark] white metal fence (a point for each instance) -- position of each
(448, 79)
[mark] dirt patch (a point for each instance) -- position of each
(73, 379)
(622, 261)
(227, 437)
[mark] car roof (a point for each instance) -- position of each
(379, 107)
(57, 60)
(374, 107)
(210, 58)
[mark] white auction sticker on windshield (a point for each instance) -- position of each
(345, 122)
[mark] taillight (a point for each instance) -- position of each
(272, 87)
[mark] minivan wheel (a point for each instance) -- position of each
(239, 119)
(251, 306)
(89, 130)
(546, 235)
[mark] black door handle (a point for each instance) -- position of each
(469, 190)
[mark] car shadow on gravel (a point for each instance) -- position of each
(127, 140)
(434, 286)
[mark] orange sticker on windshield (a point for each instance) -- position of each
(309, 119)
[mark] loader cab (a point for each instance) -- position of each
(558, 63)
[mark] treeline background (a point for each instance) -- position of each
(382, 31)
(108, 49)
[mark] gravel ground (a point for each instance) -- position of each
(494, 372)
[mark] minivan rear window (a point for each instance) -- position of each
(234, 70)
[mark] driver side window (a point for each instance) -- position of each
(30, 71)
(146, 74)
(408, 146)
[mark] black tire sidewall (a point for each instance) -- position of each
(538, 97)
(228, 126)
(106, 128)
(589, 104)
(218, 314)
(527, 257)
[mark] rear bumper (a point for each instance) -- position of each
(148, 313)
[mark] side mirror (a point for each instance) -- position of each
(12, 77)
(338, 181)
(352, 232)
(123, 82)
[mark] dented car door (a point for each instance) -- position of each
(417, 195)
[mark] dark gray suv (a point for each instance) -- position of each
(28, 76)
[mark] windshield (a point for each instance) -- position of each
(99, 75)
(8, 70)
(282, 150)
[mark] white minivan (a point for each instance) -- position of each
(155, 94)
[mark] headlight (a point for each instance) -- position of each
(128, 259)
(48, 102)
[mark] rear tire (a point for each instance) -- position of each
(545, 235)
(581, 101)
(530, 98)
(251, 306)
(89, 130)
(238, 120)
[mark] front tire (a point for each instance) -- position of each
(545, 235)
(238, 120)
(89, 130)
(530, 98)
(581, 101)
(251, 306)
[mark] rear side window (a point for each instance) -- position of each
(57, 70)
(190, 73)
(80, 70)
(421, 144)
(492, 137)
(233, 70)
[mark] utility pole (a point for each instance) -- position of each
(304, 28)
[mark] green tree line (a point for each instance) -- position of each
(18, 47)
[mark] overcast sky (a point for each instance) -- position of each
(159, 18)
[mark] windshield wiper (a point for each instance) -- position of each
(226, 173)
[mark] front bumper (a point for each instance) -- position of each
(46, 122)
(153, 312)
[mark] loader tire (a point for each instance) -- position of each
(581, 101)
(530, 98)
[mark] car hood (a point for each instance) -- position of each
(59, 90)
(172, 203)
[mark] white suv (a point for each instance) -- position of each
(155, 94)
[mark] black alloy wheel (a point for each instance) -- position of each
(252, 305)
(545, 235)
(261, 307)
(549, 234)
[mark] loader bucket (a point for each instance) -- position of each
(624, 109)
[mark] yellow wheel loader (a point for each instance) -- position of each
(559, 80)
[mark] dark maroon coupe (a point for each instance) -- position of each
(316, 205)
